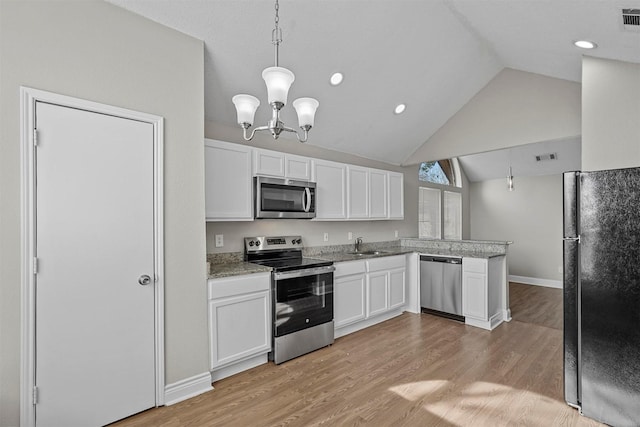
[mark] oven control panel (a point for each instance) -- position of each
(253, 244)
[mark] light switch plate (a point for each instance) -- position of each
(326, 237)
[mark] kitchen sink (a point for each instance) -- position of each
(362, 253)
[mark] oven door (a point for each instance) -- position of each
(302, 298)
(284, 198)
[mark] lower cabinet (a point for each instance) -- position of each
(482, 289)
(367, 292)
(239, 323)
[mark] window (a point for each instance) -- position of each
(429, 223)
(440, 200)
(443, 172)
(452, 215)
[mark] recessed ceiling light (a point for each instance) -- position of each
(585, 44)
(336, 79)
(399, 109)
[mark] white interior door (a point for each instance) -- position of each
(95, 344)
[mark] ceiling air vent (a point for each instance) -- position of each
(631, 19)
(548, 156)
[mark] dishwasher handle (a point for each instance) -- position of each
(441, 259)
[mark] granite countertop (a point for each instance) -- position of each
(235, 268)
(232, 264)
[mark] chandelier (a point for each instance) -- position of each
(278, 81)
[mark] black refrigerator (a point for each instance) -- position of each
(602, 294)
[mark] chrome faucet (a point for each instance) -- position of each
(358, 243)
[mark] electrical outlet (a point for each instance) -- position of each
(349, 236)
(326, 237)
(395, 233)
(219, 240)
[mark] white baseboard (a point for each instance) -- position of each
(537, 282)
(238, 367)
(187, 388)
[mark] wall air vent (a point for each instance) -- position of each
(548, 156)
(631, 19)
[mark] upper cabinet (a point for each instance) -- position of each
(274, 163)
(228, 181)
(378, 194)
(357, 192)
(331, 185)
(343, 192)
(396, 195)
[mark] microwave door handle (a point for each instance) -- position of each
(307, 199)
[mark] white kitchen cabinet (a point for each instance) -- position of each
(283, 165)
(357, 192)
(397, 288)
(297, 167)
(396, 195)
(239, 323)
(377, 293)
(378, 194)
(331, 186)
(482, 287)
(349, 290)
(385, 284)
(228, 181)
(268, 162)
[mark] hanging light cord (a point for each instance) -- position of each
(276, 34)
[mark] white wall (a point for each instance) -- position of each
(515, 108)
(530, 216)
(611, 114)
(96, 51)
(312, 231)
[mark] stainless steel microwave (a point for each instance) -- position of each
(284, 198)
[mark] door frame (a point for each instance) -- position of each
(28, 99)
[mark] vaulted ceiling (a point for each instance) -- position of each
(432, 55)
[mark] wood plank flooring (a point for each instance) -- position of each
(413, 370)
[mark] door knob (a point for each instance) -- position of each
(144, 280)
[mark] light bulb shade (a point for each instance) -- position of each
(278, 81)
(306, 109)
(246, 106)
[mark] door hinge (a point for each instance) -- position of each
(35, 395)
(35, 137)
(35, 265)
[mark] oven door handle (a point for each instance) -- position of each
(302, 273)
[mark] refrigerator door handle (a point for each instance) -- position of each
(572, 239)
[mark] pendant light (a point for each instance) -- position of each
(510, 180)
(278, 81)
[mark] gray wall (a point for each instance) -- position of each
(611, 114)
(312, 231)
(96, 51)
(530, 216)
(515, 108)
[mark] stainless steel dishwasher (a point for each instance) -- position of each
(441, 286)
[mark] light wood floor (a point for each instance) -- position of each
(414, 370)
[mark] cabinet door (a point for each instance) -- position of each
(240, 327)
(228, 182)
(349, 299)
(331, 185)
(378, 197)
(397, 288)
(377, 284)
(297, 167)
(474, 295)
(396, 195)
(267, 162)
(357, 192)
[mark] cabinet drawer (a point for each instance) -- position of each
(386, 263)
(474, 265)
(238, 285)
(348, 268)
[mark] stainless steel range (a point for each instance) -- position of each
(302, 295)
